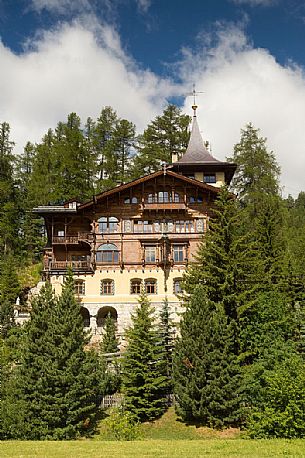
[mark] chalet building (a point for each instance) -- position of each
(140, 234)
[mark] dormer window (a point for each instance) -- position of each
(73, 204)
(209, 178)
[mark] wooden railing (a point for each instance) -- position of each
(72, 239)
(75, 265)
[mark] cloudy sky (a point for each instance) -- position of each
(246, 56)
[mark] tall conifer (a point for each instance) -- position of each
(58, 381)
(206, 371)
(145, 382)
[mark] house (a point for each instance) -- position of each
(140, 234)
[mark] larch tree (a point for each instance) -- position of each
(165, 135)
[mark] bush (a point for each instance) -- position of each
(281, 410)
(122, 425)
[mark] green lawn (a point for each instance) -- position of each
(154, 448)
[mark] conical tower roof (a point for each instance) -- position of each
(196, 151)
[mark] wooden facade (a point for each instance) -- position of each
(140, 234)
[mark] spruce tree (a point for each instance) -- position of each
(226, 261)
(206, 370)
(9, 291)
(145, 382)
(110, 343)
(110, 364)
(166, 329)
(57, 380)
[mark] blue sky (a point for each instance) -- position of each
(59, 56)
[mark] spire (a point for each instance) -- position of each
(196, 151)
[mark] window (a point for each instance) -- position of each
(209, 178)
(178, 253)
(107, 253)
(60, 232)
(185, 226)
(198, 199)
(200, 225)
(135, 286)
(79, 287)
(133, 200)
(143, 226)
(151, 286)
(72, 204)
(107, 224)
(150, 254)
(107, 287)
(177, 286)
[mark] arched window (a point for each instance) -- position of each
(108, 224)
(107, 253)
(135, 286)
(150, 286)
(107, 287)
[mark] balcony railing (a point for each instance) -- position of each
(74, 265)
(72, 239)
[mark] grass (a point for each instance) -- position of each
(154, 448)
(166, 437)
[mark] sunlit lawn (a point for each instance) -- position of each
(154, 448)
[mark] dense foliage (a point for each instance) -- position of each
(239, 359)
(145, 378)
(55, 389)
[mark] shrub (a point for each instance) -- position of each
(281, 410)
(122, 425)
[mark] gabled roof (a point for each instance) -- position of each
(196, 151)
(145, 178)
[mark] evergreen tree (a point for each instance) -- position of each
(257, 170)
(110, 343)
(226, 261)
(165, 135)
(9, 291)
(57, 380)
(166, 329)
(111, 366)
(206, 371)
(9, 212)
(145, 381)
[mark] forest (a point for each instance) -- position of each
(239, 358)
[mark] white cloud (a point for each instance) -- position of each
(255, 2)
(242, 84)
(82, 67)
(77, 67)
(61, 6)
(143, 5)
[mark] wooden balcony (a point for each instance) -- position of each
(72, 239)
(157, 206)
(79, 266)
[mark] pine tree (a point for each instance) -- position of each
(145, 382)
(206, 371)
(165, 135)
(58, 382)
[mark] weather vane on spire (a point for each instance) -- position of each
(193, 94)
